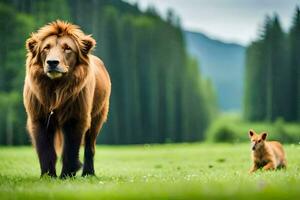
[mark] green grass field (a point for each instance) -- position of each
(185, 171)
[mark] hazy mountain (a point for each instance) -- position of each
(223, 63)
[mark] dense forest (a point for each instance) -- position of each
(273, 73)
(157, 93)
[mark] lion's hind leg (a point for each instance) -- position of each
(89, 145)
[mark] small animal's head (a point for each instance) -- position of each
(58, 48)
(257, 140)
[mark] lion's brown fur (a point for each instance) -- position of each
(83, 94)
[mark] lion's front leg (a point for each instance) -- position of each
(73, 132)
(43, 138)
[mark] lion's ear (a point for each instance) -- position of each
(31, 45)
(88, 45)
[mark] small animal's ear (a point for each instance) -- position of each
(264, 136)
(251, 133)
(88, 44)
(31, 45)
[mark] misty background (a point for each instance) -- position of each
(217, 34)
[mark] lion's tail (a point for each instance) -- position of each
(58, 142)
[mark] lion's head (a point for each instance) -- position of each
(57, 48)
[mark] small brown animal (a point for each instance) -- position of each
(268, 155)
(66, 96)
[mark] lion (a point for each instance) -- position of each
(66, 96)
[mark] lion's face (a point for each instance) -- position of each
(59, 55)
(56, 49)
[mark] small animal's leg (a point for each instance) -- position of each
(283, 164)
(253, 168)
(269, 166)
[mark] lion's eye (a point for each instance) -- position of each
(67, 49)
(259, 141)
(46, 48)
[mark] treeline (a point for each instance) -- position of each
(157, 93)
(273, 73)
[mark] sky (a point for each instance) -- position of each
(228, 20)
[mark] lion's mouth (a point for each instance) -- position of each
(54, 74)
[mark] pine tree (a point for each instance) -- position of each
(294, 46)
(111, 58)
(272, 73)
(258, 80)
(278, 73)
(14, 30)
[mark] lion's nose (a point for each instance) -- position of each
(52, 63)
